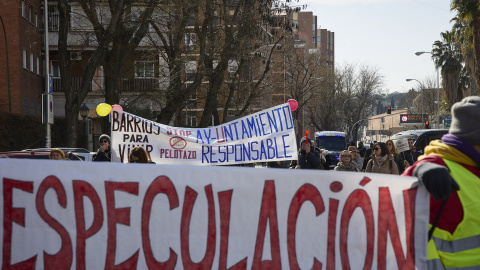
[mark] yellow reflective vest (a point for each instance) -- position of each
(460, 250)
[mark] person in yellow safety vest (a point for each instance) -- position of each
(450, 170)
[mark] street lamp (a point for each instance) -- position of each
(438, 89)
(421, 96)
(84, 110)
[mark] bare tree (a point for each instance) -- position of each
(360, 85)
(323, 108)
(104, 34)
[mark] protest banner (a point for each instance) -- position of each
(401, 145)
(265, 136)
(83, 215)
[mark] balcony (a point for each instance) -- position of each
(124, 84)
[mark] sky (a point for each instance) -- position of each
(385, 34)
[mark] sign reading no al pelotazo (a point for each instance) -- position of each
(265, 136)
(107, 215)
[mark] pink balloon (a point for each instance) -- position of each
(293, 104)
(117, 107)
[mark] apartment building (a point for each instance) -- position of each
(21, 72)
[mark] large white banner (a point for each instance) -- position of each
(99, 215)
(265, 136)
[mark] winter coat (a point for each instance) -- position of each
(310, 160)
(351, 167)
(388, 166)
(399, 161)
(359, 162)
(103, 156)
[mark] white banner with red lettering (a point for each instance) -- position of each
(98, 215)
(268, 135)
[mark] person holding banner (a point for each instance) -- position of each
(382, 160)
(346, 164)
(104, 152)
(308, 158)
(411, 155)
(450, 171)
(139, 155)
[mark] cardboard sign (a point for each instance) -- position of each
(265, 136)
(401, 145)
(99, 215)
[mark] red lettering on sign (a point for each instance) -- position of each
(332, 231)
(224, 200)
(207, 261)
(268, 211)
(83, 189)
(305, 193)
(12, 214)
(388, 222)
(161, 184)
(358, 198)
(114, 216)
(63, 258)
(222, 138)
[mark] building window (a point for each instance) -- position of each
(25, 59)
(193, 120)
(295, 24)
(318, 39)
(25, 106)
(24, 12)
(31, 63)
(190, 40)
(53, 18)
(32, 107)
(144, 69)
(36, 18)
(313, 27)
(38, 66)
(55, 69)
(30, 8)
(313, 40)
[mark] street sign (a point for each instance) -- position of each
(50, 108)
(412, 119)
(446, 122)
(50, 84)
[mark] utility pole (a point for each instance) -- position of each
(48, 95)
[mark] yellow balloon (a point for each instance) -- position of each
(103, 109)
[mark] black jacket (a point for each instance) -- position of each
(310, 160)
(410, 156)
(103, 156)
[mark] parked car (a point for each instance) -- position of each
(43, 153)
(25, 154)
(83, 153)
(421, 137)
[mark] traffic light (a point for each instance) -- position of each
(389, 110)
(427, 124)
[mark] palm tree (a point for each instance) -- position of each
(468, 12)
(448, 57)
